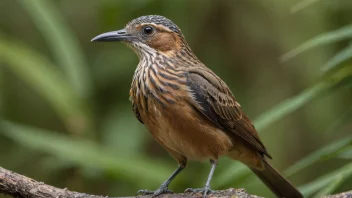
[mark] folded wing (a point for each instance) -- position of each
(212, 97)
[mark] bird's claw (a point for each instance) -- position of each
(205, 191)
(162, 190)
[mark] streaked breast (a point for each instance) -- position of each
(156, 81)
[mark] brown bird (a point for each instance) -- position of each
(187, 108)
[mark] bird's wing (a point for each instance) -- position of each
(213, 98)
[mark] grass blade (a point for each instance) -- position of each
(339, 58)
(326, 152)
(87, 154)
(323, 39)
(62, 42)
(44, 78)
(289, 105)
(330, 188)
(302, 5)
(312, 187)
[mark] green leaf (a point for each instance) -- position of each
(347, 154)
(330, 188)
(312, 187)
(43, 77)
(302, 5)
(323, 39)
(329, 151)
(63, 43)
(88, 154)
(289, 105)
(340, 57)
(341, 77)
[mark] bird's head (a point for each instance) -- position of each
(148, 34)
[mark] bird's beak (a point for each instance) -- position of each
(120, 35)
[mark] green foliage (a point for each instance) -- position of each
(342, 56)
(320, 40)
(289, 105)
(35, 70)
(62, 43)
(92, 128)
(330, 151)
(303, 4)
(330, 188)
(329, 182)
(87, 154)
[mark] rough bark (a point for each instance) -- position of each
(20, 186)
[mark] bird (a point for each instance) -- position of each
(188, 109)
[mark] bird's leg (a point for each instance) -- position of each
(164, 186)
(206, 190)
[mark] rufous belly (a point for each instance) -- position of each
(181, 129)
(184, 132)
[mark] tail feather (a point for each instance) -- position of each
(276, 182)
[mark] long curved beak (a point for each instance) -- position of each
(120, 35)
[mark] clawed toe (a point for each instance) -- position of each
(205, 191)
(144, 192)
(161, 190)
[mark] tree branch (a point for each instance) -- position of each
(20, 186)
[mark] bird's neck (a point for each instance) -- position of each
(171, 59)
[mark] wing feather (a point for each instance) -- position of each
(213, 98)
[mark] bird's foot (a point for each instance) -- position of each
(162, 190)
(205, 191)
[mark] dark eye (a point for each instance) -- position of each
(147, 30)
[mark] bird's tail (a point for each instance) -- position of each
(276, 182)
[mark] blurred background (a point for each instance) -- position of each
(66, 119)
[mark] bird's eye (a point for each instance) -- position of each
(147, 30)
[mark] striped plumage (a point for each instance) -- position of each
(187, 108)
(156, 78)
